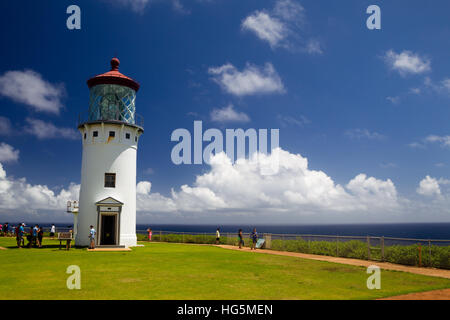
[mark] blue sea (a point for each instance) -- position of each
(397, 230)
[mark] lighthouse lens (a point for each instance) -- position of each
(112, 102)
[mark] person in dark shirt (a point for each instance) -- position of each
(240, 239)
(254, 237)
(40, 236)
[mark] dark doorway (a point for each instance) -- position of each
(108, 236)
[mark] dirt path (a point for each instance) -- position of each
(428, 295)
(1, 248)
(355, 262)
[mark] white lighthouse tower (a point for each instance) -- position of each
(110, 135)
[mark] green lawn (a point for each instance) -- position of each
(180, 271)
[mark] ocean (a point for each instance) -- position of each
(397, 230)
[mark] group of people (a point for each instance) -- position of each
(34, 236)
(253, 238)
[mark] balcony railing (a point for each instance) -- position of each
(138, 120)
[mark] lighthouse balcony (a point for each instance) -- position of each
(111, 117)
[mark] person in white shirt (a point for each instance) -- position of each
(92, 233)
(217, 236)
(52, 231)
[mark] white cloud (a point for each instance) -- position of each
(282, 27)
(16, 195)
(147, 202)
(28, 87)
(429, 187)
(289, 10)
(407, 62)
(143, 187)
(8, 153)
(295, 190)
(228, 114)
(364, 134)
(47, 130)
(252, 80)
(5, 126)
(265, 27)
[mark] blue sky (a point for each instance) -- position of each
(348, 99)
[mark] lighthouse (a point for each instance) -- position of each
(110, 133)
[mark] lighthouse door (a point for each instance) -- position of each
(108, 230)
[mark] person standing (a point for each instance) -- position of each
(254, 237)
(149, 231)
(40, 236)
(20, 232)
(1, 229)
(92, 233)
(217, 236)
(52, 231)
(240, 239)
(69, 241)
(35, 236)
(6, 229)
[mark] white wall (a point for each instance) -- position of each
(102, 155)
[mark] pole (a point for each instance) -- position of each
(420, 255)
(337, 246)
(368, 247)
(382, 248)
(429, 249)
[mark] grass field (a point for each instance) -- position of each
(182, 271)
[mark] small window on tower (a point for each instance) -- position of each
(95, 134)
(135, 138)
(112, 134)
(127, 135)
(110, 180)
(84, 136)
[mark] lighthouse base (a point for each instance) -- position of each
(128, 240)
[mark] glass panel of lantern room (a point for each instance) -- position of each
(112, 102)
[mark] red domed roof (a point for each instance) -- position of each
(113, 77)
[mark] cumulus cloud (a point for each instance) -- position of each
(18, 195)
(266, 27)
(28, 87)
(282, 27)
(252, 80)
(47, 130)
(407, 62)
(429, 187)
(295, 189)
(147, 202)
(8, 153)
(228, 114)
